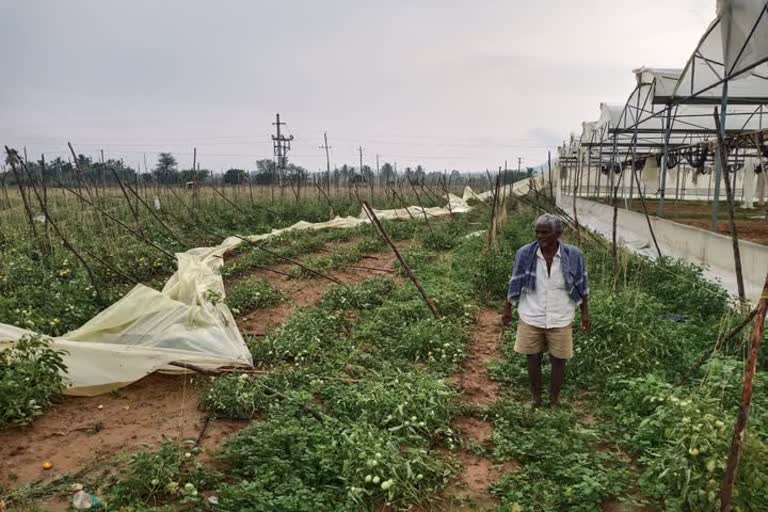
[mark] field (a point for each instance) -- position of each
(360, 399)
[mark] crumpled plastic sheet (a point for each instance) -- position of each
(148, 329)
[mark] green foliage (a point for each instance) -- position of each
(407, 403)
(294, 463)
(682, 440)
(561, 468)
(682, 288)
(368, 294)
(441, 237)
(250, 294)
(487, 269)
(338, 258)
(417, 258)
(155, 477)
(633, 334)
(30, 379)
(311, 335)
(243, 396)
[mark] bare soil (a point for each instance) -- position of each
(470, 490)
(80, 431)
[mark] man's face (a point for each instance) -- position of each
(546, 236)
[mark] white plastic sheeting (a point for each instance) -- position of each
(750, 164)
(745, 33)
(148, 329)
(736, 41)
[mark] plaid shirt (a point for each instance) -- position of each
(524, 272)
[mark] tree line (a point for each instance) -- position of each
(266, 172)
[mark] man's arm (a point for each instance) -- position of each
(585, 323)
(506, 318)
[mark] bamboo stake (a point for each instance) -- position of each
(67, 243)
(421, 205)
(154, 214)
(327, 199)
(407, 269)
(13, 158)
(121, 223)
(257, 246)
(729, 476)
(135, 213)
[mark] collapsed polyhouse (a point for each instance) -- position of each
(149, 329)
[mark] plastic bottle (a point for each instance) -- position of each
(84, 501)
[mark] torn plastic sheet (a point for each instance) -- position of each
(148, 329)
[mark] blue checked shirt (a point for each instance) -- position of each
(524, 272)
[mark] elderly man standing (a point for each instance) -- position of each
(548, 281)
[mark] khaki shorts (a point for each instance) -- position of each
(557, 341)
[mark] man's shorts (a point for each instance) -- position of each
(558, 341)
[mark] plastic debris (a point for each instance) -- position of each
(84, 501)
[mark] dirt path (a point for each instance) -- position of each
(470, 491)
(81, 431)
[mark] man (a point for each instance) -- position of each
(549, 280)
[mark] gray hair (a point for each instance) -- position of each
(553, 221)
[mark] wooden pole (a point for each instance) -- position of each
(723, 152)
(645, 210)
(421, 205)
(13, 158)
(67, 243)
(407, 269)
(729, 476)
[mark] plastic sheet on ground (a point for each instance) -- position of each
(148, 329)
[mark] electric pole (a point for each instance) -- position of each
(281, 145)
(326, 147)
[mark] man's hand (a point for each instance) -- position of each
(506, 318)
(585, 323)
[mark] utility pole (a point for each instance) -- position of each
(360, 149)
(280, 145)
(326, 147)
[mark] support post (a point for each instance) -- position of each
(407, 269)
(722, 152)
(729, 476)
(718, 162)
(665, 157)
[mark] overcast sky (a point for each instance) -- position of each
(446, 83)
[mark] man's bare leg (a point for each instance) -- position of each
(558, 378)
(534, 375)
